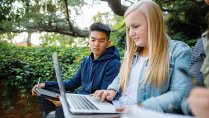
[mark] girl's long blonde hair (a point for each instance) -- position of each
(158, 65)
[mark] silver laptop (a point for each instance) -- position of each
(77, 103)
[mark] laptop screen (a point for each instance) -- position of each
(63, 100)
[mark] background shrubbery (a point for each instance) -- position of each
(20, 67)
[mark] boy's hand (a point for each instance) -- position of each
(40, 85)
(55, 102)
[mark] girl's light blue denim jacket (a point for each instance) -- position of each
(167, 98)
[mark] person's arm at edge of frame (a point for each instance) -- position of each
(197, 77)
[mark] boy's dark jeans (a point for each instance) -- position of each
(59, 113)
(46, 105)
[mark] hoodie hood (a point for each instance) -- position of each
(111, 53)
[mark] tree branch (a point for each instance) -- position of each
(67, 15)
(75, 32)
(116, 6)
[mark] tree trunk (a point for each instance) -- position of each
(28, 40)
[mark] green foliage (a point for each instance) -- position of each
(118, 34)
(185, 19)
(51, 39)
(7, 36)
(30, 15)
(21, 67)
(7, 105)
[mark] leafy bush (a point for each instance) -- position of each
(20, 67)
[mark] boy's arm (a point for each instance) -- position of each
(71, 84)
(111, 71)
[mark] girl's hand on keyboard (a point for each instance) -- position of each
(105, 94)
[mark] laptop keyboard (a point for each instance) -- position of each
(81, 102)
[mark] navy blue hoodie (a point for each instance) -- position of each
(93, 74)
